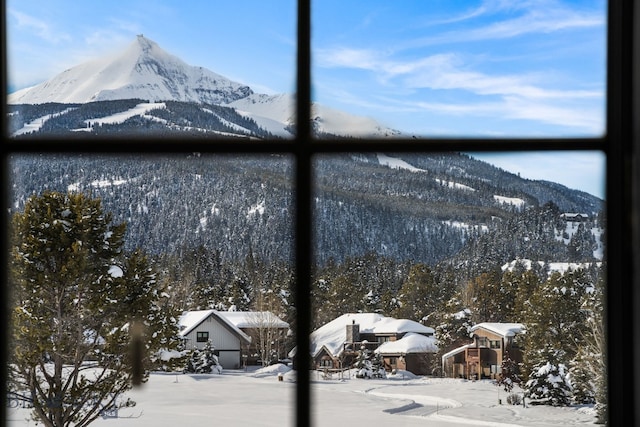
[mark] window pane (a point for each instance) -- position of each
(205, 262)
(428, 263)
(472, 68)
(206, 69)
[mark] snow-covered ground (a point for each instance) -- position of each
(258, 398)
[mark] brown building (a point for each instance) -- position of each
(337, 344)
(483, 357)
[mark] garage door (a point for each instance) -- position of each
(229, 359)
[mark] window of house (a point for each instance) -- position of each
(494, 344)
(202, 336)
(483, 342)
(612, 136)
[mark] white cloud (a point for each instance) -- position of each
(39, 27)
(450, 84)
(509, 19)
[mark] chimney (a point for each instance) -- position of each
(353, 332)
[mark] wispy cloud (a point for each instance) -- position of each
(500, 20)
(512, 96)
(445, 71)
(38, 27)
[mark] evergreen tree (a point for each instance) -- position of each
(75, 302)
(420, 295)
(377, 366)
(582, 378)
(203, 361)
(453, 328)
(148, 304)
(526, 282)
(555, 321)
(509, 376)
(207, 284)
(363, 363)
(239, 294)
(485, 297)
(548, 384)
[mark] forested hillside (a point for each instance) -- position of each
(120, 117)
(240, 205)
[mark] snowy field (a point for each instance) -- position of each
(258, 398)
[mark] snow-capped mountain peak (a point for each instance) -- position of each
(143, 70)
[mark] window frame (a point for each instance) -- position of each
(620, 144)
(202, 336)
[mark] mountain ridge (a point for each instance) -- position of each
(147, 72)
(143, 70)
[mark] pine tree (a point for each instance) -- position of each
(485, 296)
(509, 377)
(453, 328)
(548, 384)
(582, 378)
(555, 321)
(420, 295)
(148, 303)
(203, 361)
(363, 363)
(377, 366)
(75, 303)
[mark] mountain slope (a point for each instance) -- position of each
(144, 71)
(147, 73)
(243, 204)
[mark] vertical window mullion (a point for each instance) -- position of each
(302, 150)
(619, 302)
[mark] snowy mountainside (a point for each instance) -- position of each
(132, 117)
(143, 71)
(146, 72)
(238, 204)
(276, 114)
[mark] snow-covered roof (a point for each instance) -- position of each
(248, 319)
(456, 351)
(410, 343)
(504, 329)
(191, 319)
(333, 334)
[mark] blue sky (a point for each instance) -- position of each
(532, 68)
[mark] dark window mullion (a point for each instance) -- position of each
(621, 357)
(303, 220)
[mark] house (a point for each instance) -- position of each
(403, 343)
(413, 352)
(261, 326)
(574, 217)
(483, 357)
(230, 333)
